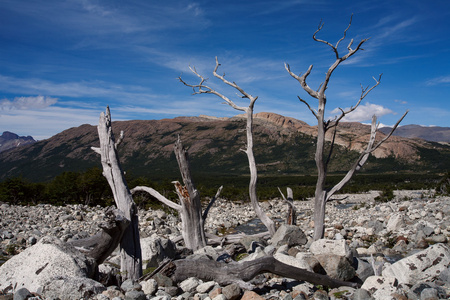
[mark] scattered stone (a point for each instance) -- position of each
(292, 261)
(149, 287)
(337, 267)
(250, 295)
(205, 287)
(135, 295)
(189, 285)
(22, 294)
(361, 294)
(290, 235)
(155, 249)
(232, 291)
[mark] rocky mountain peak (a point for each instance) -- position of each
(9, 140)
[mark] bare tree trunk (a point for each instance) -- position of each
(191, 208)
(322, 195)
(131, 256)
(224, 274)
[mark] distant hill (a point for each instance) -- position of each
(9, 140)
(432, 134)
(283, 145)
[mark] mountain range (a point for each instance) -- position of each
(9, 140)
(283, 145)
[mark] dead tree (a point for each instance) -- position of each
(190, 209)
(202, 88)
(322, 195)
(130, 247)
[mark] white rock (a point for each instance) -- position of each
(149, 287)
(395, 222)
(36, 266)
(292, 261)
(205, 287)
(421, 266)
(334, 247)
(380, 287)
(189, 285)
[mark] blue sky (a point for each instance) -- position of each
(63, 61)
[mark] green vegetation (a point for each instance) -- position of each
(91, 188)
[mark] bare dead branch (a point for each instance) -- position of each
(211, 203)
(364, 93)
(313, 111)
(365, 155)
(302, 80)
(155, 194)
(391, 132)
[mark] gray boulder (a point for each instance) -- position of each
(41, 263)
(68, 288)
(337, 267)
(290, 235)
(427, 265)
(155, 249)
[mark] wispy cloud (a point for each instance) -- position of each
(38, 102)
(81, 89)
(364, 112)
(439, 80)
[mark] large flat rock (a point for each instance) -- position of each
(38, 265)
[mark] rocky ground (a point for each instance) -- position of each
(376, 234)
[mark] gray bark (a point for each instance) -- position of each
(240, 273)
(131, 256)
(191, 207)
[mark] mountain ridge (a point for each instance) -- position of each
(283, 145)
(9, 140)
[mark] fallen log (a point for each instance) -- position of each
(242, 272)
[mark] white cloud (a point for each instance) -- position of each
(439, 80)
(401, 101)
(22, 103)
(363, 112)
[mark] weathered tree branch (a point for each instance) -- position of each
(157, 196)
(211, 203)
